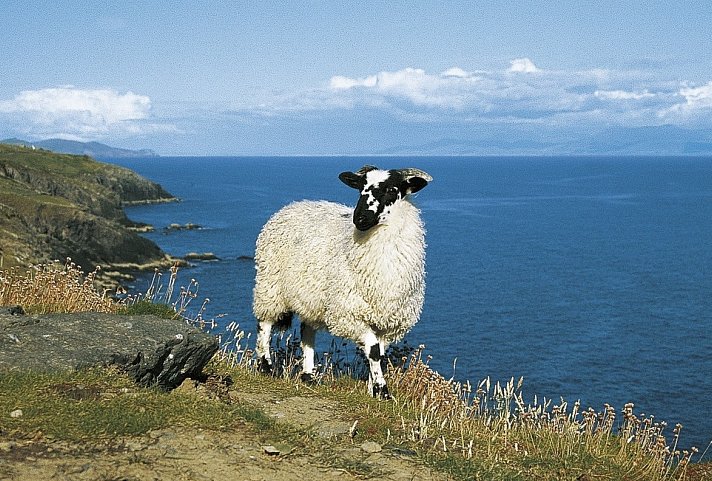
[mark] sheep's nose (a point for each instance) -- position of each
(365, 220)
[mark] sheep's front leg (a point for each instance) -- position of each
(264, 334)
(375, 350)
(308, 335)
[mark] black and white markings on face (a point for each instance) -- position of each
(380, 192)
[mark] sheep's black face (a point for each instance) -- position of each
(380, 191)
(378, 195)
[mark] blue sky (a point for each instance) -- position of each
(327, 77)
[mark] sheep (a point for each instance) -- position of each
(364, 282)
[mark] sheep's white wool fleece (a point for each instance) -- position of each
(312, 261)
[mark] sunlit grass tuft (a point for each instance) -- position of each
(492, 420)
(54, 287)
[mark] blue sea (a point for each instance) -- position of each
(591, 277)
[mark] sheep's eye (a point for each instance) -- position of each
(390, 196)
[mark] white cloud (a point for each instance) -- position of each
(455, 72)
(698, 97)
(696, 109)
(344, 83)
(458, 96)
(523, 65)
(554, 97)
(447, 90)
(457, 90)
(79, 113)
(413, 83)
(622, 95)
(108, 105)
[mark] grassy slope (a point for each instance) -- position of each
(55, 205)
(95, 406)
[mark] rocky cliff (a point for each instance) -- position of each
(54, 206)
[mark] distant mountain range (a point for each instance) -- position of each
(92, 149)
(420, 140)
(656, 140)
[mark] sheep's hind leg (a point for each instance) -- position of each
(375, 351)
(264, 337)
(264, 357)
(308, 335)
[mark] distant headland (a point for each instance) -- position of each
(54, 206)
(92, 149)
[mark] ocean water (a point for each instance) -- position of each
(590, 277)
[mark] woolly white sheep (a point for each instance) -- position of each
(365, 283)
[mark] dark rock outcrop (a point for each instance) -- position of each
(152, 350)
(201, 256)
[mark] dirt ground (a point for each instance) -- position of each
(195, 455)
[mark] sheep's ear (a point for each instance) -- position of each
(415, 179)
(352, 180)
(414, 184)
(366, 169)
(357, 179)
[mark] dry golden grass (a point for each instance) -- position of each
(54, 287)
(487, 431)
(494, 419)
(177, 300)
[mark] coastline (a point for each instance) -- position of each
(162, 200)
(58, 206)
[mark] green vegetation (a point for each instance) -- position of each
(103, 404)
(98, 403)
(144, 307)
(54, 205)
(483, 431)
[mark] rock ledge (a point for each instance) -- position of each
(152, 350)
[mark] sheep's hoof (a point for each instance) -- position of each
(381, 392)
(265, 366)
(307, 378)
